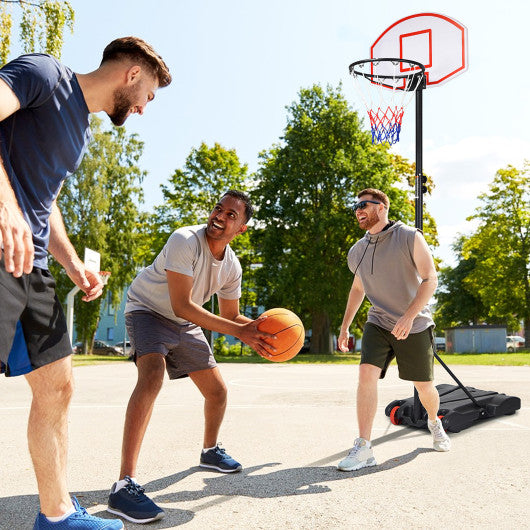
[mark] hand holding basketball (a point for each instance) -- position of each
(289, 332)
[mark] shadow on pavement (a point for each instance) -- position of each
(308, 480)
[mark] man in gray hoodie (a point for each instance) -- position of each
(394, 269)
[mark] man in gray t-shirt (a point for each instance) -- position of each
(394, 269)
(164, 317)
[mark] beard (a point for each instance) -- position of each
(368, 222)
(122, 105)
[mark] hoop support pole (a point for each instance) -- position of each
(417, 408)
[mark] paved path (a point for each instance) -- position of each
(289, 425)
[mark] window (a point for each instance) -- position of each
(110, 309)
(110, 333)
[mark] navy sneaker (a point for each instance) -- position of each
(79, 520)
(131, 503)
(217, 458)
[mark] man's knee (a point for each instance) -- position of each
(53, 383)
(368, 374)
(151, 370)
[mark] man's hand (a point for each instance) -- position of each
(402, 328)
(342, 341)
(16, 240)
(256, 339)
(89, 282)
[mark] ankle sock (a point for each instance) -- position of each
(61, 517)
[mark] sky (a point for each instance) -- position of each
(237, 65)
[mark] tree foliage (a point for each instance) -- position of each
(99, 204)
(456, 301)
(41, 26)
(502, 240)
(307, 185)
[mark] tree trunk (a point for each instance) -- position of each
(321, 339)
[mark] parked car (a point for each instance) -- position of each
(440, 343)
(77, 347)
(102, 348)
(514, 342)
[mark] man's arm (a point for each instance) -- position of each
(355, 299)
(180, 287)
(427, 271)
(15, 233)
(64, 252)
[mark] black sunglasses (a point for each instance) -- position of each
(363, 204)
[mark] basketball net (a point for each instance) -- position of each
(386, 87)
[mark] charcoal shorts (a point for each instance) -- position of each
(33, 329)
(414, 355)
(184, 346)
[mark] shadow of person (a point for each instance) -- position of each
(310, 480)
(283, 482)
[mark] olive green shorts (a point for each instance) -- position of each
(414, 355)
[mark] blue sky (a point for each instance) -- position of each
(237, 64)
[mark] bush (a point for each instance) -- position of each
(221, 347)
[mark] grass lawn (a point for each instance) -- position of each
(491, 359)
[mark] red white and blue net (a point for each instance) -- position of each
(386, 87)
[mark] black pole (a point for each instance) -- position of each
(417, 409)
(419, 180)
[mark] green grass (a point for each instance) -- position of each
(89, 360)
(488, 359)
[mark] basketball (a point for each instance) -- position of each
(289, 332)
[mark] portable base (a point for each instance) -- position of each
(460, 408)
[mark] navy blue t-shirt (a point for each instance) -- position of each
(44, 141)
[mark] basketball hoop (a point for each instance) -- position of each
(391, 87)
(104, 275)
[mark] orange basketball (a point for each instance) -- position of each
(289, 332)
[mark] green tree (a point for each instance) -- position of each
(99, 204)
(41, 27)
(502, 276)
(456, 301)
(306, 189)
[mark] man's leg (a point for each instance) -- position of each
(52, 387)
(212, 387)
(361, 454)
(429, 397)
(367, 398)
(151, 369)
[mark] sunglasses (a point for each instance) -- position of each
(363, 204)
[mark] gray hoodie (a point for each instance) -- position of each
(385, 265)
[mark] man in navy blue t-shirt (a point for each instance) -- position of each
(44, 133)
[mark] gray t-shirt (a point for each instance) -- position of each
(390, 279)
(186, 252)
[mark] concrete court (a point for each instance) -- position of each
(289, 425)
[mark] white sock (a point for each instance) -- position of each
(122, 483)
(206, 449)
(433, 422)
(61, 517)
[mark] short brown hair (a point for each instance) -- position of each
(376, 194)
(138, 50)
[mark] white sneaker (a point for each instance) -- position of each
(440, 440)
(360, 456)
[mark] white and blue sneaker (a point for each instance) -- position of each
(131, 503)
(216, 458)
(79, 520)
(361, 455)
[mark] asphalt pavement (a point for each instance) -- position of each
(288, 425)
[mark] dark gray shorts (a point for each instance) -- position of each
(414, 355)
(184, 346)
